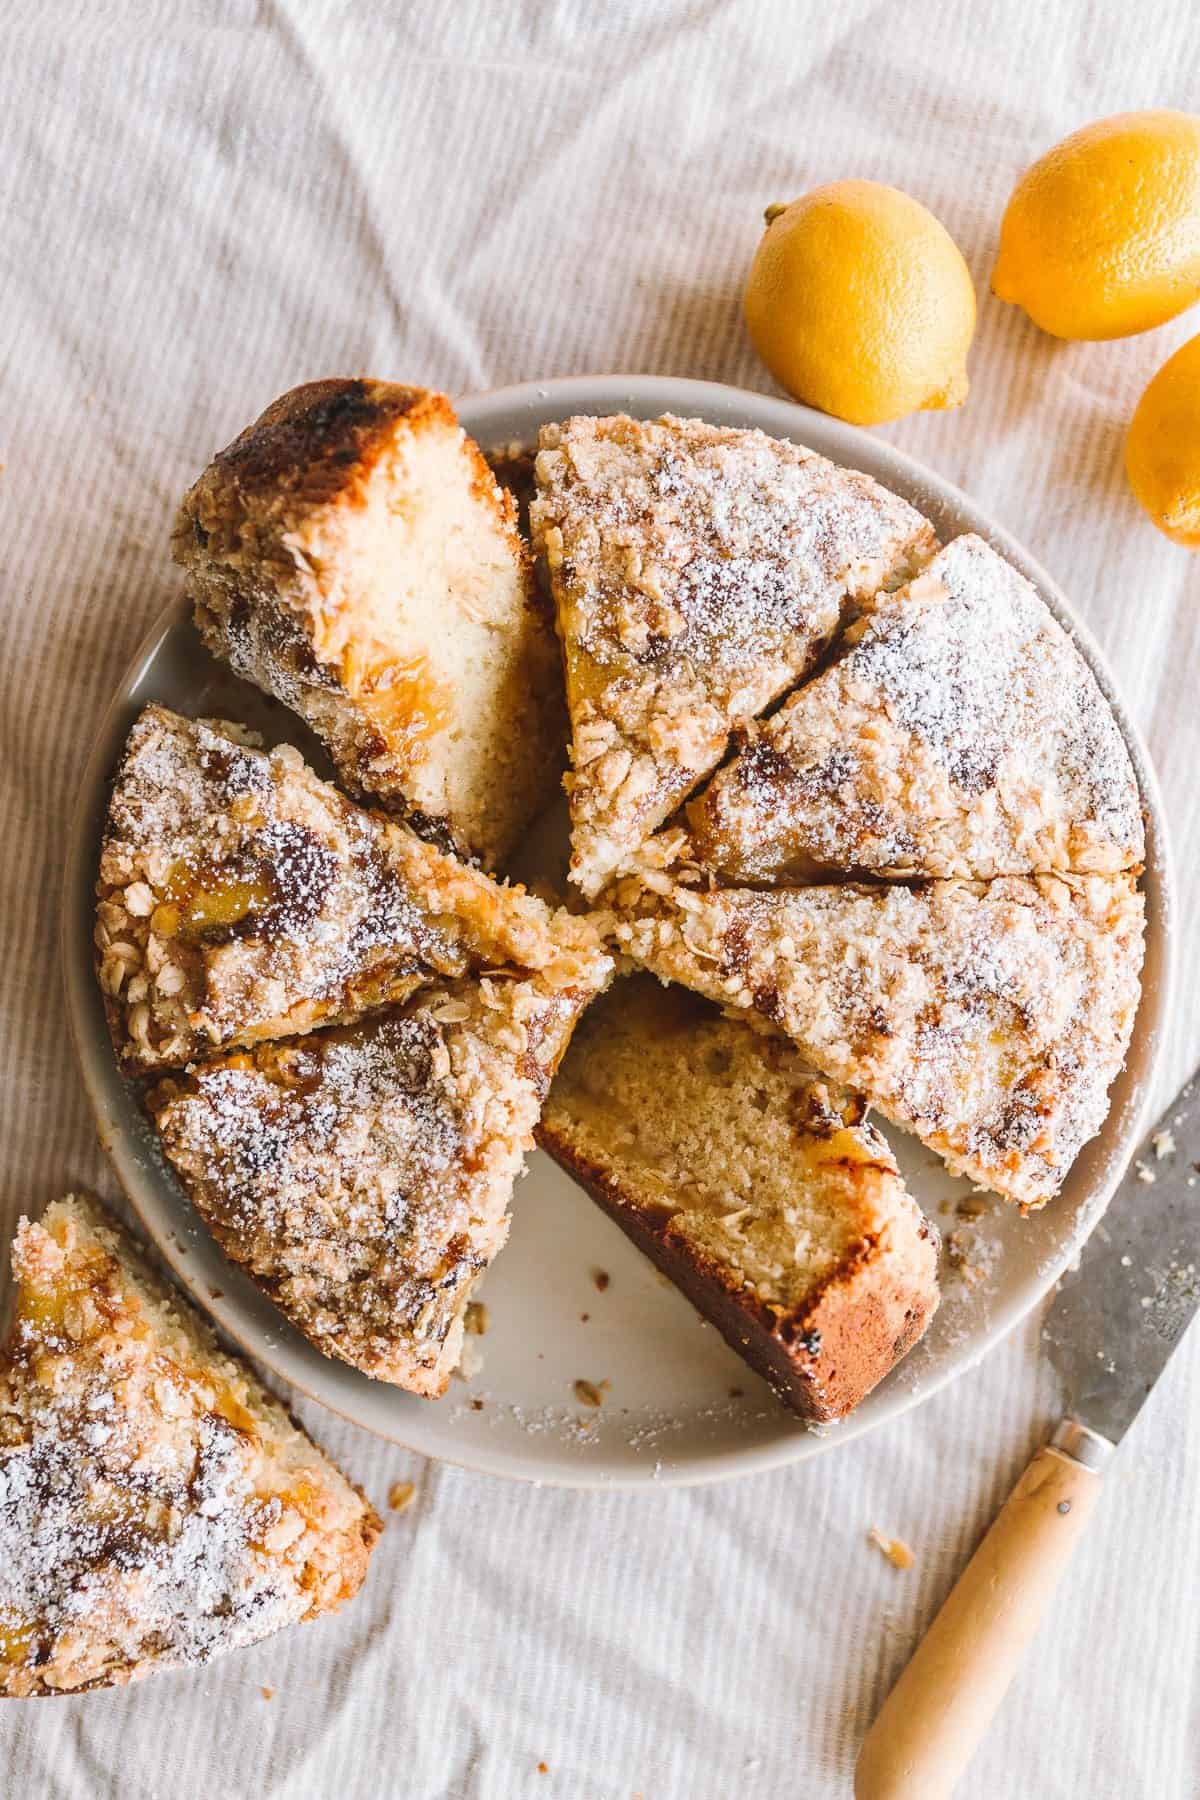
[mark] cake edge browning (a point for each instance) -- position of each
(820, 1359)
(242, 537)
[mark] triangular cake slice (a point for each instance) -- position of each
(157, 1506)
(242, 898)
(362, 1175)
(760, 1191)
(990, 1020)
(698, 572)
(961, 733)
(352, 553)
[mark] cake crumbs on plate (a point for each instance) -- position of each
(1164, 1145)
(601, 1279)
(477, 1318)
(1145, 1173)
(268, 1693)
(895, 1549)
(590, 1393)
(400, 1495)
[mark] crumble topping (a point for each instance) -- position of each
(241, 897)
(156, 1505)
(698, 572)
(362, 1174)
(990, 1019)
(959, 733)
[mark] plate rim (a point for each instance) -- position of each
(857, 448)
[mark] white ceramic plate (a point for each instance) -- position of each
(679, 1407)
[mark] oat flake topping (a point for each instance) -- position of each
(157, 1507)
(960, 733)
(698, 571)
(363, 1174)
(240, 897)
(989, 1019)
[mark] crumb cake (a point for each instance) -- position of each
(352, 554)
(988, 1018)
(759, 1190)
(698, 572)
(240, 898)
(157, 1506)
(958, 733)
(362, 1175)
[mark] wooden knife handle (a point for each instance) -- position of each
(945, 1699)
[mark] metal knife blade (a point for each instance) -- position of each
(1117, 1318)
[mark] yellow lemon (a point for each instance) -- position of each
(1162, 451)
(1101, 238)
(860, 303)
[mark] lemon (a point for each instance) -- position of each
(1101, 238)
(1162, 451)
(860, 303)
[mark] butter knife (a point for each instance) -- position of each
(1110, 1332)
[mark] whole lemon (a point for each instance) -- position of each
(1162, 451)
(1101, 238)
(860, 303)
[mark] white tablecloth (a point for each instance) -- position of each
(204, 204)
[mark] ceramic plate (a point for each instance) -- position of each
(679, 1406)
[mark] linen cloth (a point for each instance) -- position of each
(203, 205)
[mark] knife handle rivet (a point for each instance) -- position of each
(1064, 1506)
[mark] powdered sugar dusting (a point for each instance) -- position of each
(363, 1174)
(698, 571)
(990, 1021)
(961, 734)
(141, 1521)
(240, 896)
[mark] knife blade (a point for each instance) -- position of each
(1110, 1332)
(1118, 1316)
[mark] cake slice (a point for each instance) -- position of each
(698, 572)
(961, 733)
(241, 898)
(988, 1019)
(157, 1506)
(352, 553)
(758, 1190)
(362, 1175)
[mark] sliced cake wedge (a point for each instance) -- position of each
(239, 898)
(698, 571)
(157, 1506)
(990, 1019)
(362, 1175)
(759, 1190)
(960, 733)
(352, 553)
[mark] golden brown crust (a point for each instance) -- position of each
(821, 1359)
(315, 439)
(353, 554)
(762, 1195)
